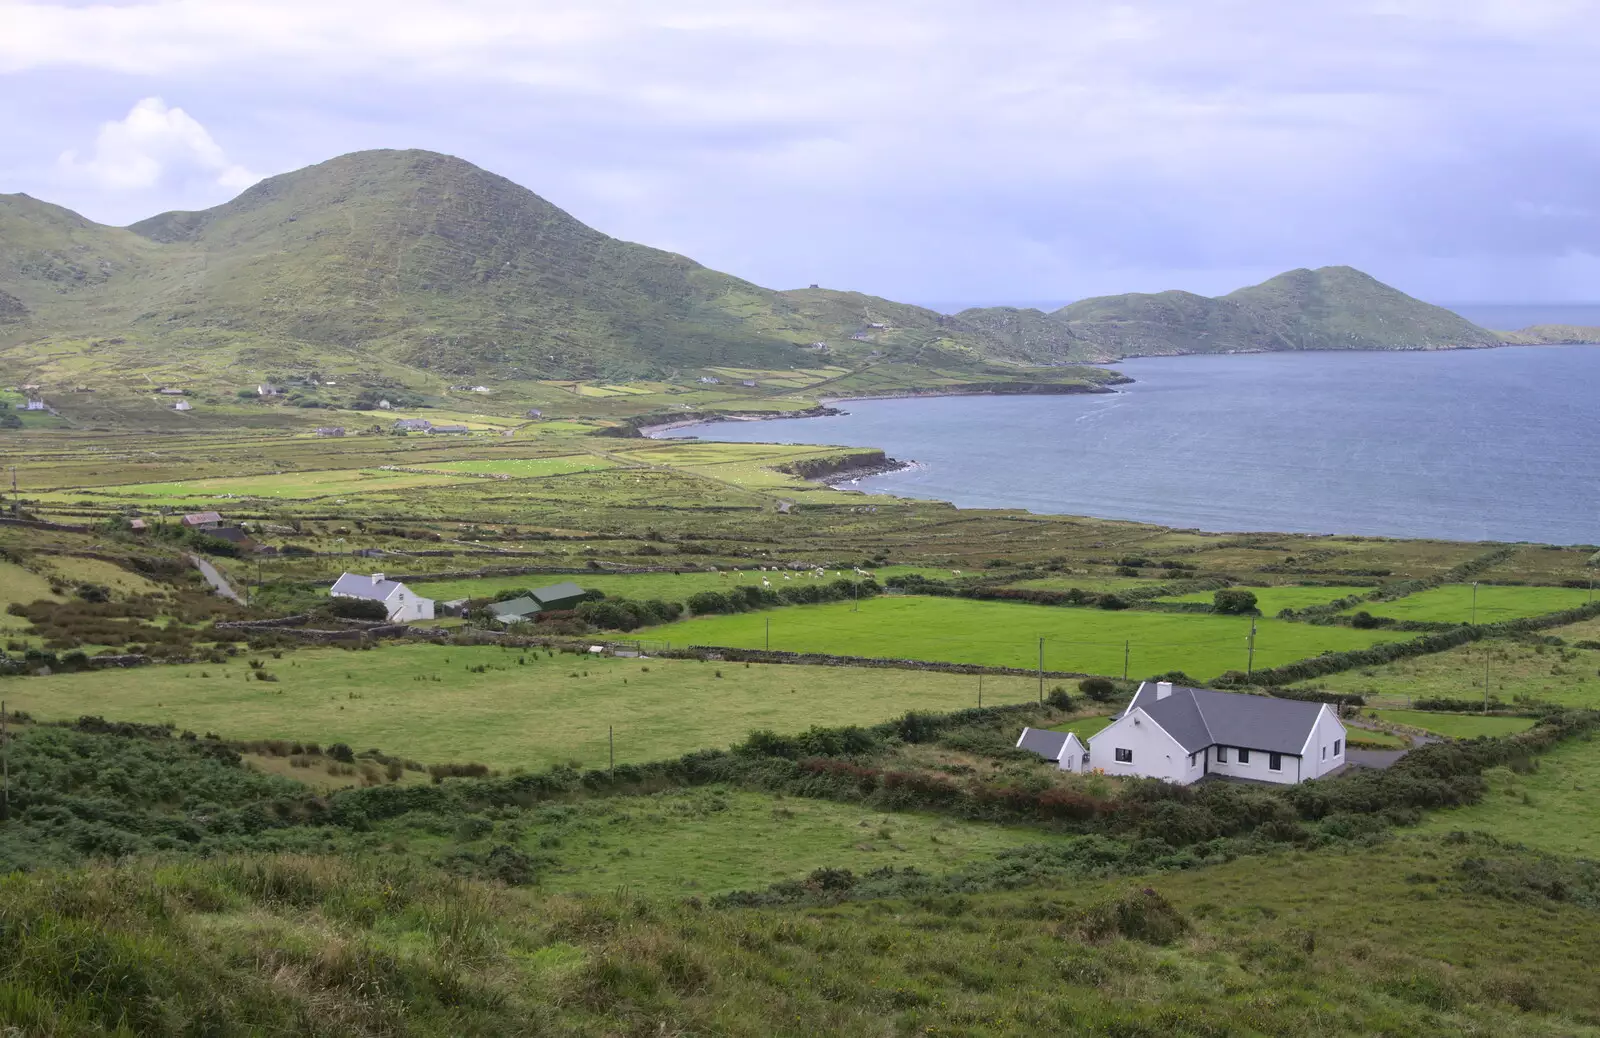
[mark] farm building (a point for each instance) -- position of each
(534, 412)
(457, 429)
(384, 405)
(138, 525)
(183, 405)
(1060, 748)
(565, 595)
(234, 535)
(1184, 734)
(330, 430)
(403, 603)
(202, 520)
(268, 389)
(34, 404)
(413, 424)
(514, 610)
(172, 391)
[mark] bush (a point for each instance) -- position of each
(1138, 915)
(358, 609)
(1233, 600)
(1366, 621)
(1101, 690)
(1059, 698)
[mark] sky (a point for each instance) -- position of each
(924, 150)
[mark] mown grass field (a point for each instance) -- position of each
(669, 587)
(1553, 808)
(1271, 600)
(297, 485)
(1453, 603)
(545, 711)
(1517, 670)
(1456, 726)
(1006, 634)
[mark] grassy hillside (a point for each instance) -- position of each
(1329, 308)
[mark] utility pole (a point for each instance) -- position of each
(1041, 670)
(5, 764)
(1126, 647)
(1474, 603)
(769, 634)
(1486, 683)
(611, 746)
(980, 690)
(1250, 659)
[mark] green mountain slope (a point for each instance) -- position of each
(1326, 309)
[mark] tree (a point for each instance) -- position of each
(1101, 690)
(1233, 600)
(1059, 698)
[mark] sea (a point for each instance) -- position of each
(1479, 445)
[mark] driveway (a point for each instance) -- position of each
(215, 579)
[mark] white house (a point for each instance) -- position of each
(1184, 734)
(34, 404)
(183, 405)
(403, 603)
(1061, 748)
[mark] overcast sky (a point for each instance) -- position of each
(988, 150)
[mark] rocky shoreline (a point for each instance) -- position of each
(707, 417)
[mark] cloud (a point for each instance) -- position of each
(153, 146)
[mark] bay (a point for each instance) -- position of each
(1500, 444)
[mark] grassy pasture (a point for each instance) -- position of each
(1553, 808)
(522, 468)
(1083, 727)
(712, 840)
(1453, 603)
(20, 586)
(530, 714)
(1456, 726)
(1088, 583)
(1271, 600)
(1006, 634)
(1517, 670)
(290, 485)
(669, 587)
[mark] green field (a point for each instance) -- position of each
(288, 485)
(1517, 670)
(1089, 583)
(1006, 634)
(1271, 600)
(523, 468)
(1453, 603)
(669, 587)
(1083, 727)
(711, 840)
(1456, 726)
(1553, 808)
(547, 711)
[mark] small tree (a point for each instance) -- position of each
(1101, 690)
(1059, 698)
(1233, 600)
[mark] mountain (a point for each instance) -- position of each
(407, 268)
(1331, 308)
(422, 261)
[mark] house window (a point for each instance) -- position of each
(1338, 744)
(1324, 753)
(1274, 762)
(1244, 755)
(1191, 760)
(1124, 756)
(1222, 755)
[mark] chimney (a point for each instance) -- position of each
(379, 576)
(1163, 689)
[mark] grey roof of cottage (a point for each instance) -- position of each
(1201, 717)
(359, 585)
(1046, 744)
(521, 606)
(557, 592)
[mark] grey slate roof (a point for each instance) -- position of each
(359, 585)
(1201, 717)
(557, 592)
(1046, 744)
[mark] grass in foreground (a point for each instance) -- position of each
(1271, 600)
(429, 703)
(1005, 634)
(1298, 943)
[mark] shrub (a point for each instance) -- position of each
(357, 609)
(1233, 600)
(1059, 698)
(1101, 690)
(1138, 915)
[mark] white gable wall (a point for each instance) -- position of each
(1155, 753)
(1074, 755)
(1327, 736)
(405, 604)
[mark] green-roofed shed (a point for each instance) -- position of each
(565, 595)
(512, 610)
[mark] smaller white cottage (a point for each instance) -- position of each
(403, 603)
(1061, 748)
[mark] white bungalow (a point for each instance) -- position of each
(1060, 748)
(403, 603)
(1183, 734)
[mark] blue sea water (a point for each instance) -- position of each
(1500, 444)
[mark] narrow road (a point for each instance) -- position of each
(216, 580)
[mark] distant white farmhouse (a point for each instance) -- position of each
(1061, 748)
(1185, 734)
(403, 603)
(183, 405)
(34, 404)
